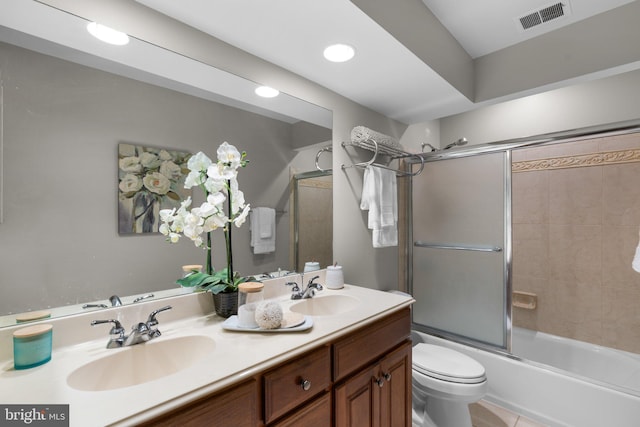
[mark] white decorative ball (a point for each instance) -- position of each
(269, 315)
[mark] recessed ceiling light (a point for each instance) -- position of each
(107, 35)
(339, 52)
(267, 92)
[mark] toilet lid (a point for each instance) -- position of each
(446, 364)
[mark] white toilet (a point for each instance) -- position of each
(444, 382)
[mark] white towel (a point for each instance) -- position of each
(379, 197)
(635, 264)
(263, 230)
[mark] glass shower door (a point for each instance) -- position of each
(460, 210)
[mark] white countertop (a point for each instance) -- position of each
(237, 356)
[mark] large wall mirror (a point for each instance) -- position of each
(64, 113)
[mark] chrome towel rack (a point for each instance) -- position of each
(392, 152)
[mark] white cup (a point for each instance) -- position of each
(311, 266)
(334, 278)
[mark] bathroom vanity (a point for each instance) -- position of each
(351, 368)
(365, 375)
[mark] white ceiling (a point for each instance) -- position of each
(385, 75)
(483, 27)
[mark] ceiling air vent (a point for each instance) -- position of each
(543, 15)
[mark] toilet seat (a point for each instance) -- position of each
(446, 365)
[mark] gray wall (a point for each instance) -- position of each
(62, 124)
(598, 102)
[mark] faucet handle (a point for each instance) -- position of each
(312, 279)
(152, 321)
(295, 288)
(94, 306)
(143, 297)
(116, 329)
(116, 334)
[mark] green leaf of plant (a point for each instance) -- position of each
(197, 279)
(216, 288)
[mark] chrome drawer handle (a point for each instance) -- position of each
(380, 381)
(305, 384)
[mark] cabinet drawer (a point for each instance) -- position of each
(369, 343)
(283, 386)
(237, 405)
(317, 413)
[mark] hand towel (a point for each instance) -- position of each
(379, 197)
(263, 230)
(267, 219)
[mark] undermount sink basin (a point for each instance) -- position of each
(325, 305)
(141, 363)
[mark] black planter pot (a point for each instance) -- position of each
(226, 303)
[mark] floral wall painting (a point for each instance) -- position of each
(149, 180)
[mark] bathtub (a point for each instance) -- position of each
(549, 395)
(617, 368)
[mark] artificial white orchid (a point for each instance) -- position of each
(219, 183)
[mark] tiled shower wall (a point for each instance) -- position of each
(576, 224)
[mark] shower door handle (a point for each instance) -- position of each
(421, 244)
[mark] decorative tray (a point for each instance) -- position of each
(231, 324)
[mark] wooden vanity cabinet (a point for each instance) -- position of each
(379, 395)
(372, 368)
(369, 381)
(361, 379)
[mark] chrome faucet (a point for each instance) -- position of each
(140, 333)
(308, 292)
(116, 334)
(115, 301)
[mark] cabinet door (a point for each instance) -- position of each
(355, 401)
(395, 391)
(378, 396)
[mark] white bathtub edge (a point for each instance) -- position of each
(549, 397)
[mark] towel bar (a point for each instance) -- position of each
(421, 244)
(392, 152)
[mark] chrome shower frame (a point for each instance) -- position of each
(618, 128)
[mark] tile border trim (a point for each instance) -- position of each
(584, 160)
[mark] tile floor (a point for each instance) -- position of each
(485, 414)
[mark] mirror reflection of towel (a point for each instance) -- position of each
(263, 230)
(379, 197)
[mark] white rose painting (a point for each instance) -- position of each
(150, 179)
